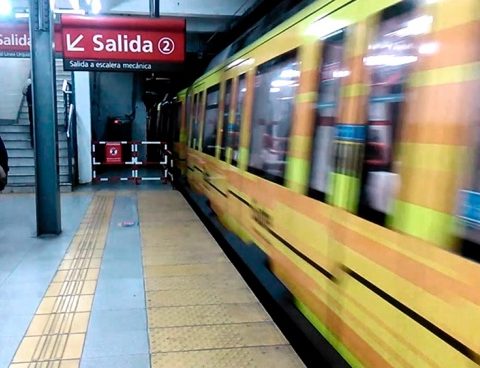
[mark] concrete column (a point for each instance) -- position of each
(45, 119)
(84, 125)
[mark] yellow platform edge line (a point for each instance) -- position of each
(56, 334)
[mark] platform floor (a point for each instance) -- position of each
(135, 280)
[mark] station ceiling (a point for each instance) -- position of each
(211, 24)
(205, 18)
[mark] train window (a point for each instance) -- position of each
(196, 120)
(189, 118)
(179, 119)
(469, 199)
(233, 139)
(275, 85)
(389, 61)
(226, 113)
(331, 73)
(211, 121)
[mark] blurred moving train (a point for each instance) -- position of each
(344, 143)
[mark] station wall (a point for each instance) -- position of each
(13, 77)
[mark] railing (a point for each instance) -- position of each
(125, 155)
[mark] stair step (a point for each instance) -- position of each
(14, 128)
(28, 154)
(30, 170)
(30, 188)
(16, 136)
(29, 179)
(26, 145)
(21, 137)
(30, 161)
(20, 153)
(21, 161)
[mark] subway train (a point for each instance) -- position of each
(344, 143)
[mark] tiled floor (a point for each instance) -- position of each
(122, 289)
(200, 311)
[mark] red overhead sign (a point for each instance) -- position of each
(121, 43)
(15, 39)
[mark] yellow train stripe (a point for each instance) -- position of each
(354, 90)
(425, 223)
(450, 14)
(446, 75)
(432, 157)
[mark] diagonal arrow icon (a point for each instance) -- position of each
(72, 45)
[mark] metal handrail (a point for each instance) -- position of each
(66, 87)
(70, 119)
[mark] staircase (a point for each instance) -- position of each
(16, 137)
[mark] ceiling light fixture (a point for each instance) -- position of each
(5, 7)
(96, 6)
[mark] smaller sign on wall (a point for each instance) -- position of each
(113, 153)
(15, 39)
(121, 43)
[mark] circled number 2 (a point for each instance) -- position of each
(166, 45)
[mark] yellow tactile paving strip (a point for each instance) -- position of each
(57, 331)
(200, 311)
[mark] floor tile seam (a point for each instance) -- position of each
(50, 325)
(242, 287)
(187, 305)
(69, 287)
(254, 323)
(222, 348)
(203, 288)
(47, 361)
(140, 218)
(207, 324)
(203, 305)
(63, 312)
(66, 309)
(221, 273)
(185, 263)
(79, 274)
(185, 253)
(226, 261)
(96, 208)
(58, 334)
(79, 263)
(42, 346)
(70, 295)
(72, 289)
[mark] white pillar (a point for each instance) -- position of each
(84, 125)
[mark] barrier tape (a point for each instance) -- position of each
(165, 163)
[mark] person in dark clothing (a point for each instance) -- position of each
(3, 165)
(28, 96)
